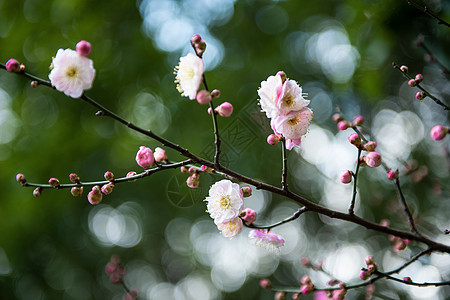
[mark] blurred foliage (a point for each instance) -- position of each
(48, 250)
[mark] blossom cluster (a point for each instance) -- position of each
(283, 102)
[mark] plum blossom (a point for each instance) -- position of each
(189, 75)
(225, 201)
(72, 73)
(266, 239)
(269, 92)
(231, 228)
(291, 98)
(144, 157)
(293, 125)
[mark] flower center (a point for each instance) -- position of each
(71, 71)
(294, 121)
(288, 100)
(225, 201)
(188, 73)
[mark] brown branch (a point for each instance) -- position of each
(428, 12)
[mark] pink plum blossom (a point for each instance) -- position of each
(291, 98)
(293, 125)
(268, 240)
(293, 143)
(225, 201)
(71, 73)
(269, 92)
(144, 157)
(189, 75)
(231, 228)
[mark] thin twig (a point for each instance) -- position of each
(405, 207)
(355, 177)
(428, 12)
(285, 168)
(296, 215)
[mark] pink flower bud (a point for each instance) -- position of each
(384, 222)
(109, 176)
(358, 121)
(373, 159)
(107, 188)
(418, 78)
(354, 139)
(343, 125)
(215, 93)
(337, 117)
(225, 109)
(438, 132)
(192, 182)
(206, 169)
(110, 268)
(249, 216)
(195, 39)
(34, 84)
(37, 192)
(184, 170)
(280, 296)
(12, 65)
(404, 69)
(131, 173)
(160, 154)
(203, 97)
(76, 191)
(412, 82)
(305, 289)
(346, 176)
(364, 275)
(246, 191)
(74, 178)
(95, 196)
(200, 48)
(370, 260)
(54, 182)
(370, 146)
(265, 284)
(407, 279)
(282, 75)
(193, 170)
(339, 294)
(209, 110)
(273, 139)
(306, 279)
(144, 157)
(392, 174)
(83, 48)
(399, 245)
(372, 268)
(305, 261)
(421, 95)
(296, 296)
(21, 178)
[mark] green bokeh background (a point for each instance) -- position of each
(54, 135)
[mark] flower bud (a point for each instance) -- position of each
(76, 191)
(34, 84)
(346, 176)
(280, 296)
(193, 170)
(206, 169)
(192, 181)
(354, 139)
(399, 245)
(195, 39)
(372, 268)
(144, 157)
(337, 117)
(54, 182)
(369, 260)
(21, 178)
(373, 159)
(343, 125)
(421, 95)
(95, 196)
(37, 192)
(412, 82)
(364, 275)
(404, 69)
(305, 289)
(225, 109)
(107, 188)
(438, 132)
(306, 279)
(131, 173)
(407, 279)
(248, 215)
(203, 97)
(370, 146)
(215, 93)
(305, 261)
(200, 48)
(265, 284)
(339, 294)
(282, 75)
(392, 175)
(184, 169)
(83, 48)
(21, 68)
(273, 139)
(160, 154)
(296, 296)
(358, 121)
(418, 78)
(209, 110)
(109, 176)
(12, 65)
(74, 178)
(246, 191)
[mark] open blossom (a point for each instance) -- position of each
(225, 201)
(71, 73)
(293, 125)
(269, 92)
(189, 75)
(268, 240)
(231, 228)
(291, 98)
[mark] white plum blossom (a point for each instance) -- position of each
(266, 239)
(269, 92)
(189, 75)
(293, 125)
(225, 201)
(231, 228)
(71, 73)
